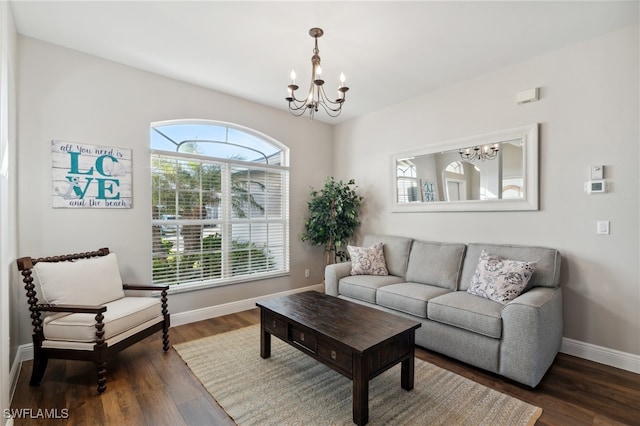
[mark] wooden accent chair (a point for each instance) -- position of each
(86, 314)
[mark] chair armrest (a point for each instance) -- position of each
(153, 287)
(531, 334)
(332, 274)
(73, 309)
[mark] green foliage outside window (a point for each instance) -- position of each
(246, 257)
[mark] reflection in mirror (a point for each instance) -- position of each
(494, 167)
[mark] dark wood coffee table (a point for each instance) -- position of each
(357, 341)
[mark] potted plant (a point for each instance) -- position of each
(333, 217)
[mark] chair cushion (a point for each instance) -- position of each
(364, 287)
(121, 316)
(367, 260)
(410, 298)
(463, 310)
(93, 281)
(396, 251)
(435, 263)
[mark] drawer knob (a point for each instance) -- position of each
(334, 355)
(302, 336)
(273, 324)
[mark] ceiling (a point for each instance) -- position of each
(389, 51)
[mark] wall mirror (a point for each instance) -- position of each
(490, 172)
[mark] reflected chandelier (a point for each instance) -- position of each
(484, 152)
(316, 97)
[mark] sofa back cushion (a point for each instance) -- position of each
(546, 274)
(93, 281)
(396, 251)
(436, 264)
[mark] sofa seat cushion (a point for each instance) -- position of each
(463, 310)
(410, 298)
(364, 287)
(121, 315)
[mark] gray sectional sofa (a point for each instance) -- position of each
(428, 281)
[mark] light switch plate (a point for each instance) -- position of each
(602, 227)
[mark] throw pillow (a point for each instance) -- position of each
(500, 280)
(368, 260)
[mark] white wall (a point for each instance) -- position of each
(589, 114)
(71, 96)
(8, 328)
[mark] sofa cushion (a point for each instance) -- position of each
(463, 310)
(364, 287)
(121, 315)
(93, 281)
(396, 251)
(436, 264)
(410, 298)
(498, 279)
(547, 273)
(367, 260)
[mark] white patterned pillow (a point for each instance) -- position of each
(500, 280)
(368, 260)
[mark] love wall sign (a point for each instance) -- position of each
(90, 176)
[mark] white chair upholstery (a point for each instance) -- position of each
(87, 313)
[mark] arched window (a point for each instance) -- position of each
(220, 204)
(455, 167)
(407, 181)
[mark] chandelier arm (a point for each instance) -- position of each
(297, 107)
(328, 102)
(330, 111)
(297, 112)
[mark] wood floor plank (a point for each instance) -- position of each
(201, 411)
(146, 386)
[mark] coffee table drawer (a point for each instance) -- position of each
(304, 338)
(275, 326)
(336, 355)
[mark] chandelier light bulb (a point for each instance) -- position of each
(293, 77)
(342, 79)
(318, 71)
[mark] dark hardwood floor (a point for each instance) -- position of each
(148, 387)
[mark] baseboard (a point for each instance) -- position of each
(188, 317)
(25, 353)
(602, 355)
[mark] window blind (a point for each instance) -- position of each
(217, 221)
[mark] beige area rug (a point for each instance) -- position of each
(291, 388)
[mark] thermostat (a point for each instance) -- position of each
(596, 186)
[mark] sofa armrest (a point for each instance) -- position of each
(531, 334)
(332, 274)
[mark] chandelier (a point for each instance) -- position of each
(316, 96)
(484, 152)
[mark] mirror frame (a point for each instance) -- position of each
(529, 136)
